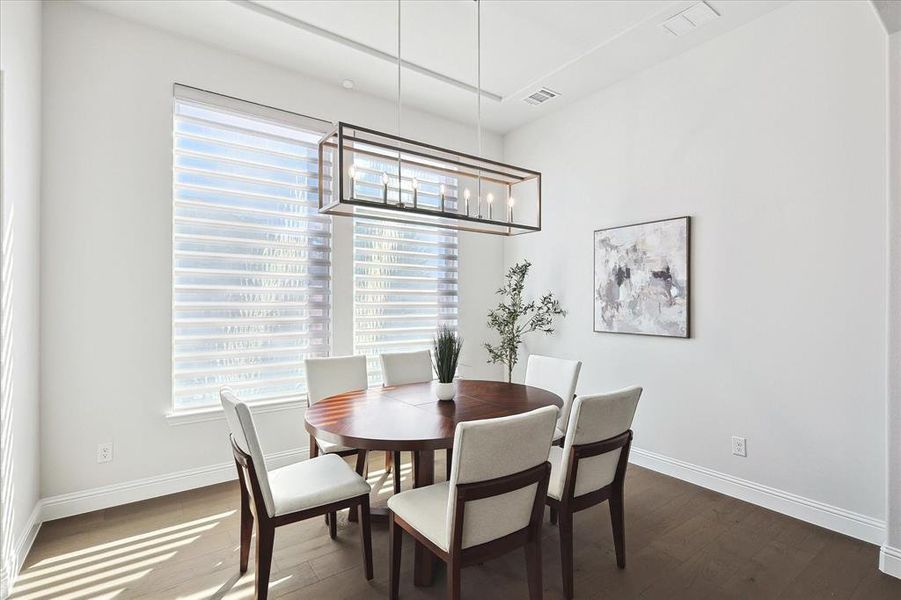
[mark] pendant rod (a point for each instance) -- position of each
(398, 68)
(479, 74)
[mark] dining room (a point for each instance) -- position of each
(450, 299)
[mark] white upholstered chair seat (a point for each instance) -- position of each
(314, 482)
(330, 447)
(425, 509)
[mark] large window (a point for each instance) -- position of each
(251, 254)
(405, 276)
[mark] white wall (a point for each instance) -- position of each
(773, 139)
(891, 554)
(106, 241)
(20, 63)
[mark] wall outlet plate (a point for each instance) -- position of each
(739, 446)
(105, 452)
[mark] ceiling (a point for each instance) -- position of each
(571, 47)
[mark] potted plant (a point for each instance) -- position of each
(446, 351)
(515, 317)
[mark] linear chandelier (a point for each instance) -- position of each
(368, 173)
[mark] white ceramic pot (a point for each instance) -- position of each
(445, 391)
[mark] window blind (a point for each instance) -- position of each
(405, 276)
(251, 254)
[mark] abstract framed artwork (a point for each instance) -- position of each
(641, 278)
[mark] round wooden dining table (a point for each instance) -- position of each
(411, 418)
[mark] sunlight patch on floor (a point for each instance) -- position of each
(141, 536)
(108, 569)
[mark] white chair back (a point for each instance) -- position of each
(594, 419)
(399, 368)
(555, 375)
(493, 448)
(241, 426)
(334, 375)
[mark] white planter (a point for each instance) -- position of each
(445, 391)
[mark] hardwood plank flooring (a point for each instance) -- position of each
(682, 541)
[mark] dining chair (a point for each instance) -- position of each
(275, 497)
(591, 468)
(328, 377)
(492, 504)
(400, 368)
(559, 376)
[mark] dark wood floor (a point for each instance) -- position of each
(682, 542)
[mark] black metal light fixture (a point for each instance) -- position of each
(364, 172)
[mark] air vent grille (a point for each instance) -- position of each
(689, 19)
(540, 96)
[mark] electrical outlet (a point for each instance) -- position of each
(105, 452)
(739, 446)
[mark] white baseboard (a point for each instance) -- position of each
(890, 561)
(837, 519)
(23, 545)
(76, 503)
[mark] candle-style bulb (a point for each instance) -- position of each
(415, 184)
(511, 202)
(384, 179)
(352, 172)
(466, 200)
(490, 198)
(442, 189)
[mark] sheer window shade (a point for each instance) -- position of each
(405, 276)
(251, 254)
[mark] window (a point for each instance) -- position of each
(405, 276)
(251, 254)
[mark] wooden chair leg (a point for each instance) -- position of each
(396, 544)
(332, 520)
(448, 456)
(617, 519)
(453, 580)
(314, 447)
(533, 568)
(395, 460)
(366, 535)
(361, 471)
(246, 528)
(265, 540)
(554, 513)
(566, 551)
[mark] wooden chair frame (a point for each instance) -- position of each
(255, 510)
(569, 503)
(459, 557)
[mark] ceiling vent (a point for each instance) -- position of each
(689, 19)
(540, 96)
